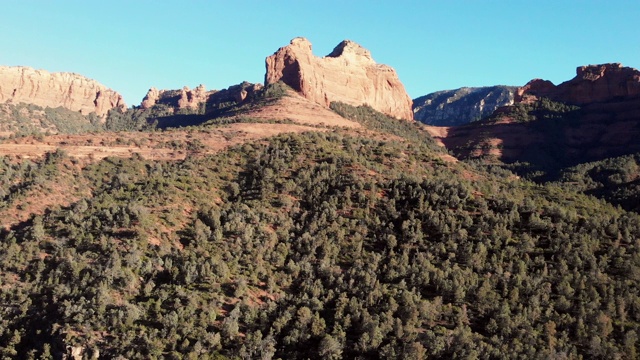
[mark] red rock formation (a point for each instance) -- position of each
(592, 84)
(532, 90)
(237, 93)
(180, 99)
(606, 125)
(152, 97)
(193, 99)
(348, 74)
(72, 91)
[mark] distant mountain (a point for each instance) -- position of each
(461, 106)
(592, 117)
(583, 131)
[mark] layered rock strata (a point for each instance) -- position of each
(72, 91)
(605, 124)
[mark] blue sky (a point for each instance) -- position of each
(132, 45)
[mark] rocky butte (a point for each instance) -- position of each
(592, 84)
(348, 74)
(72, 91)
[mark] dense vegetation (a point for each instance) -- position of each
(616, 180)
(28, 119)
(374, 120)
(542, 109)
(319, 245)
(23, 119)
(561, 160)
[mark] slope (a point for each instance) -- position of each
(320, 245)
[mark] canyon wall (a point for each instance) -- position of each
(72, 91)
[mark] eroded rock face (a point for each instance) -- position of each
(592, 84)
(184, 98)
(152, 97)
(72, 91)
(192, 98)
(235, 93)
(533, 90)
(461, 106)
(348, 74)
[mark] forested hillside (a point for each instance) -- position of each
(32, 119)
(317, 245)
(616, 180)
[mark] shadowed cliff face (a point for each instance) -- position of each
(349, 75)
(594, 132)
(592, 117)
(72, 91)
(461, 106)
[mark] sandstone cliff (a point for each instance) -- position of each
(348, 74)
(592, 84)
(72, 91)
(461, 106)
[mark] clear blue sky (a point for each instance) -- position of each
(133, 45)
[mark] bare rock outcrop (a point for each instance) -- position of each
(348, 74)
(152, 97)
(592, 84)
(191, 99)
(533, 90)
(234, 94)
(184, 98)
(72, 91)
